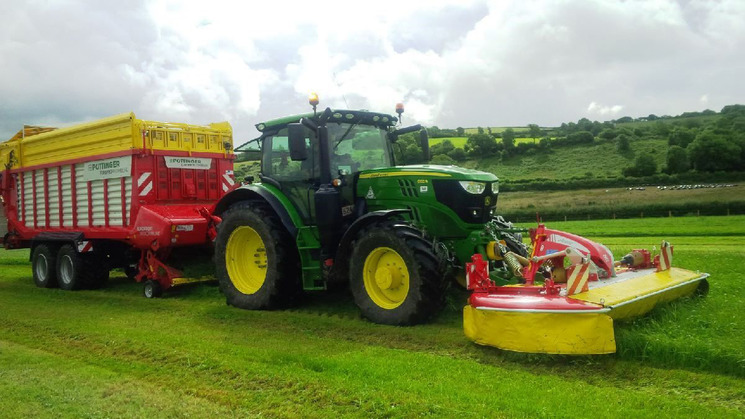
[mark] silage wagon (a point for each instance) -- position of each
(119, 192)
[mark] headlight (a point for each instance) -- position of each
(495, 188)
(476, 188)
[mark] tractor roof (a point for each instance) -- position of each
(335, 115)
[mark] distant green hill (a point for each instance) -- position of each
(704, 146)
(600, 160)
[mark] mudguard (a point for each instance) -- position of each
(271, 195)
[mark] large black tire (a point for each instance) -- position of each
(256, 260)
(385, 258)
(44, 266)
(76, 271)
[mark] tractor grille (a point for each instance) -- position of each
(469, 207)
(408, 188)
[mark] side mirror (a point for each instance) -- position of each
(424, 140)
(296, 140)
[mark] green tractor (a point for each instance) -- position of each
(332, 206)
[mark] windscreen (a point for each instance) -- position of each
(356, 147)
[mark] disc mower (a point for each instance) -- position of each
(564, 297)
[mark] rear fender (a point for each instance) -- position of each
(58, 238)
(271, 195)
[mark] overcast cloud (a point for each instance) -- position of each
(454, 63)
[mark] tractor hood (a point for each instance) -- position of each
(430, 171)
(443, 195)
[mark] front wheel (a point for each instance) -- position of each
(256, 259)
(43, 262)
(396, 276)
(152, 289)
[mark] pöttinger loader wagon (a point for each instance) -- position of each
(119, 192)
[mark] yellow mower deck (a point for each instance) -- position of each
(639, 294)
(586, 331)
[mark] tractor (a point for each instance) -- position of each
(332, 207)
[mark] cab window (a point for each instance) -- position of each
(277, 164)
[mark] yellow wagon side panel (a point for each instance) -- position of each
(115, 134)
(104, 136)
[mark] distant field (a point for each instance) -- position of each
(113, 353)
(494, 130)
(458, 142)
(607, 198)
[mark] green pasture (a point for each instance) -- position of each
(458, 142)
(495, 130)
(113, 353)
(618, 201)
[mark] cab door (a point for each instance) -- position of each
(298, 179)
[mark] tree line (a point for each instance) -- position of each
(704, 141)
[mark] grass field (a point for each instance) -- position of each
(113, 353)
(495, 130)
(613, 198)
(458, 142)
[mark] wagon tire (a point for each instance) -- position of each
(44, 266)
(73, 273)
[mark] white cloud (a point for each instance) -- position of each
(454, 63)
(602, 110)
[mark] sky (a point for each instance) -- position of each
(452, 63)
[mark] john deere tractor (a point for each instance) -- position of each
(332, 206)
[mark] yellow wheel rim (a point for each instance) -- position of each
(386, 277)
(245, 258)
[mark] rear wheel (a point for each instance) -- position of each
(256, 260)
(396, 276)
(71, 272)
(44, 265)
